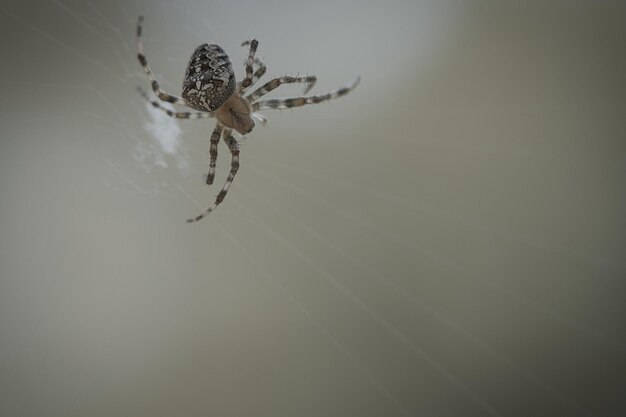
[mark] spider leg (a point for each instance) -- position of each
(246, 82)
(287, 103)
(259, 117)
(176, 115)
(144, 63)
(215, 139)
(260, 71)
(277, 82)
(234, 166)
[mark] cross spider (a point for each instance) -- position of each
(210, 88)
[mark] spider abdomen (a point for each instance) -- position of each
(210, 79)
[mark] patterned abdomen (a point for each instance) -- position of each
(210, 79)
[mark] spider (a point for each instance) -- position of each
(210, 88)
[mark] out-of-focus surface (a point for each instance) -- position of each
(447, 240)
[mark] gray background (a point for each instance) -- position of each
(447, 240)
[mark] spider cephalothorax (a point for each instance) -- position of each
(210, 88)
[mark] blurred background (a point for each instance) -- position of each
(447, 240)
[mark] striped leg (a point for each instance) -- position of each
(277, 82)
(234, 166)
(287, 103)
(247, 82)
(260, 71)
(144, 63)
(215, 139)
(176, 115)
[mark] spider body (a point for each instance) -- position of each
(210, 88)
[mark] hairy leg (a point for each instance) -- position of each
(287, 103)
(247, 81)
(176, 115)
(233, 146)
(277, 82)
(215, 140)
(144, 63)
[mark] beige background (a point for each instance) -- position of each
(448, 240)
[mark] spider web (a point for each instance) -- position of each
(139, 152)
